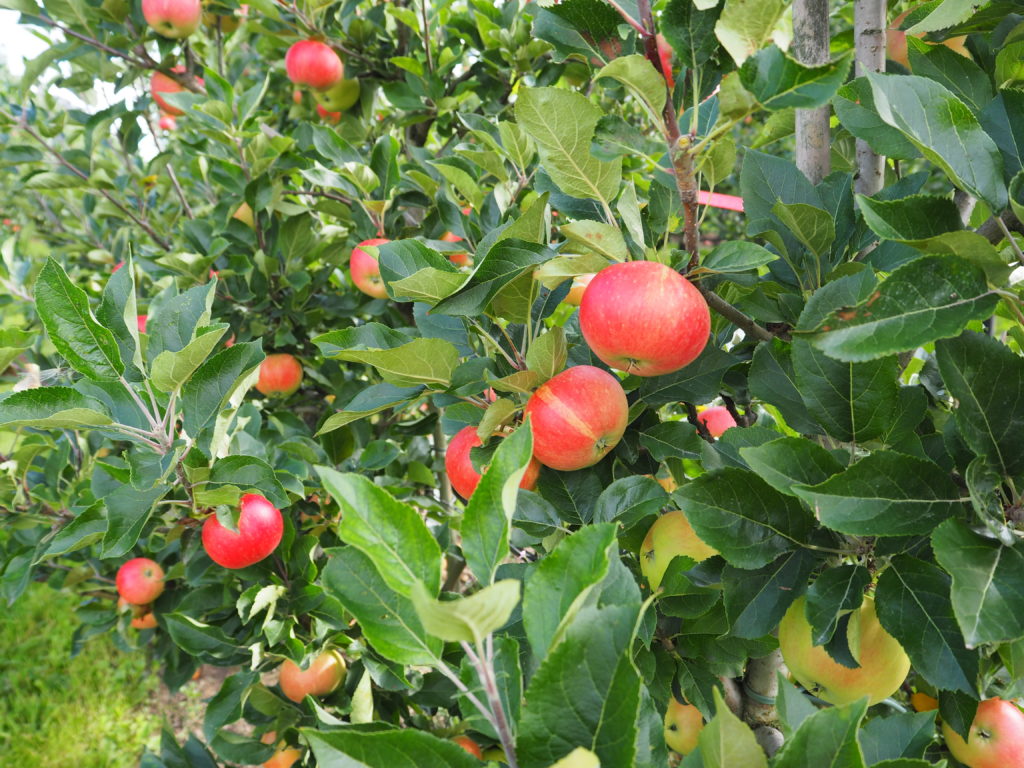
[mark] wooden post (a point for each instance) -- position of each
(810, 46)
(869, 38)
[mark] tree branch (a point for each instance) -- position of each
(869, 36)
(810, 45)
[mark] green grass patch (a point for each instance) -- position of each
(91, 711)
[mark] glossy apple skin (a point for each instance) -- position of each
(366, 271)
(340, 96)
(280, 375)
(160, 84)
(146, 621)
(644, 318)
(683, 724)
(671, 535)
(167, 123)
(470, 746)
(996, 739)
(140, 581)
(579, 287)
(260, 527)
(175, 19)
(459, 465)
(883, 662)
(284, 758)
(141, 320)
(313, 63)
(577, 417)
(717, 419)
(324, 675)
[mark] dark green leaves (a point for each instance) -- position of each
(88, 347)
(409, 748)
(778, 81)
(691, 32)
(506, 260)
(838, 590)
(756, 601)
(828, 737)
(213, 383)
(791, 461)
(910, 219)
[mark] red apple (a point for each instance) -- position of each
(330, 117)
(324, 675)
(644, 318)
(167, 122)
(577, 417)
(140, 581)
(297, 96)
(459, 465)
(260, 527)
(141, 320)
(280, 375)
(146, 621)
(717, 419)
(117, 267)
(160, 83)
(996, 739)
(284, 758)
(313, 63)
(665, 55)
(579, 286)
(173, 18)
(470, 746)
(683, 724)
(366, 271)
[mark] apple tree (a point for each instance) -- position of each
(406, 359)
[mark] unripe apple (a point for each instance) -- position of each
(260, 527)
(644, 318)
(244, 214)
(683, 724)
(577, 417)
(140, 581)
(716, 419)
(996, 739)
(313, 63)
(459, 465)
(671, 535)
(284, 758)
(175, 19)
(665, 53)
(366, 271)
(331, 117)
(167, 123)
(324, 675)
(470, 746)
(280, 375)
(141, 321)
(340, 96)
(579, 286)
(883, 662)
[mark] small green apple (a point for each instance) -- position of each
(671, 535)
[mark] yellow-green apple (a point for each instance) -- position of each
(459, 466)
(577, 417)
(243, 213)
(140, 581)
(470, 746)
(683, 724)
(280, 375)
(324, 675)
(716, 419)
(579, 285)
(175, 19)
(365, 269)
(313, 63)
(883, 662)
(339, 96)
(260, 527)
(996, 739)
(665, 53)
(644, 318)
(671, 535)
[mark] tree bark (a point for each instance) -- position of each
(810, 46)
(869, 35)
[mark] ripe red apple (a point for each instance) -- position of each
(140, 581)
(159, 84)
(313, 63)
(141, 320)
(331, 117)
(324, 675)
(460, 258)
(665, 53)
(671, 535)
(996, 739)
(297, 96)
(280, 375)
(683, 724)
(577, 417)
(260, 527)
(175, 19)
(470, 746)
(579, 286)
(644, 318)
(366, 271)
(167, 122)
(717, 419)
(459, 466)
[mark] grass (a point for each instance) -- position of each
(91, 711)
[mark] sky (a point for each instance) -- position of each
(19, 42)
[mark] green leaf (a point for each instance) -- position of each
(128, 510)
(726, 741)
(210, 644)
(506, 261)
(453, 172)
(373, 399)
(855, 108)
(172, 369)
(562, 123)
(672, 440)
(828, 737)
(779, 81)
(773, 380)
(884, 494)
(743, 517)
(755, 601)
(390, 533)
(897, 736)
(87, 527)
(791, 461)
(596, 236)
(698, 382)
(486, 524)
(912, 600)
(547, 354)
(737, 256)
(387, 619)
(228, 373)
(745, 25)
(814, 227)
(691, 32)
(174, 319)
(793, 705)
(51, 408)
(987, 380)
(248, 473)
(913, 220)
(119, 312)
(945, 131)
(629, 500)
(942, 16)
(641, 78)
(63, 307)
(421, 361)
(959, 74)
(428, 284)
(562, 582)
(930, 298)
(468, 619)
(835, 592)
(988, 583)
(405, 748)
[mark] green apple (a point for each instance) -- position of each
(670, 535)
(883, 662)
(996, 739)
(683, 724)
(340, 97)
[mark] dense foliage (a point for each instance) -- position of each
(868, 348)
